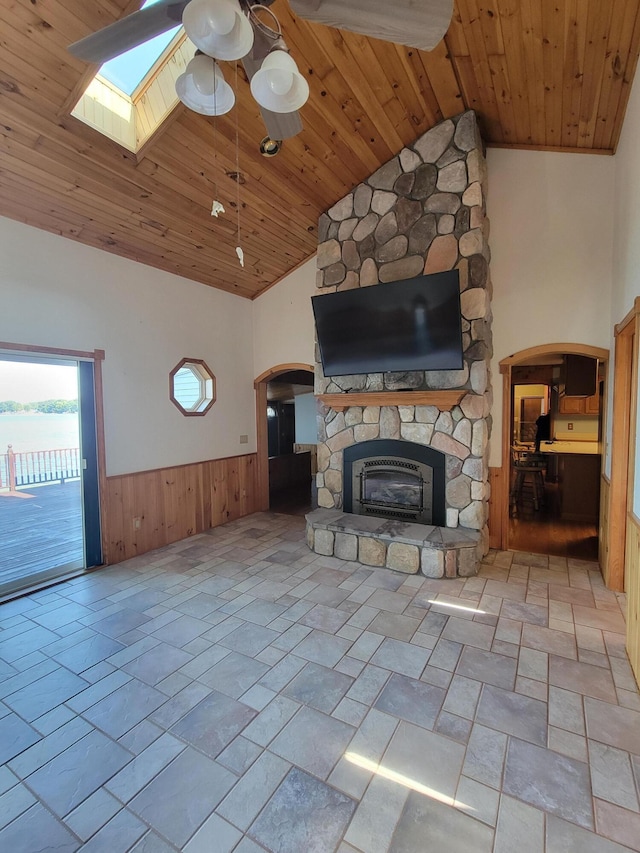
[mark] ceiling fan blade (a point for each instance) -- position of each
(415, 23)
(279, 125)
(129, 32)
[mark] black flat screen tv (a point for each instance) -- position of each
(413, 324)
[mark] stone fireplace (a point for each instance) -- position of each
(422, 212)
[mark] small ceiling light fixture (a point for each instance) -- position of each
(270, 147)
(278, 86)
(203, 88)
(218, 28)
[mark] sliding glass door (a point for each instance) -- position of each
(49, 506)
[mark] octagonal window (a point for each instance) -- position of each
(192, 387)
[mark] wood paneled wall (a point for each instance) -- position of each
(498, 483)
(539, 74)
(603, 527)
(173, 503)
(632, 584)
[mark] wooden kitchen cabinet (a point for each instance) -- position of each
(541, 374)
(571, 405)
(592, 405)
(580, 375)
(579, 405)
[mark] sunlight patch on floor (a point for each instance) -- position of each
(455, 606)
(406, 781)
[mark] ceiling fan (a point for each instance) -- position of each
(234, 29)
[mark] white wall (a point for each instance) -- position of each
(306, 423)
(626, 256)
(58, 293)
(552, 254)
(551, 244)
(283, 330)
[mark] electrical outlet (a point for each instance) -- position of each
(136, 523)
(569, 426)
(244, 439)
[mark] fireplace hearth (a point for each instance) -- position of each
(402, 546)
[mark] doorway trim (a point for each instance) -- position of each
(525, 356)
(97, 356)
(262, 444)
(623, 427)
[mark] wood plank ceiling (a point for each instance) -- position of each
(549, 74)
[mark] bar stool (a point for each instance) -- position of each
(528, 484)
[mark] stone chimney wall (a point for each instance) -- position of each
(422, 212)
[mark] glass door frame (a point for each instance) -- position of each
(95, 535)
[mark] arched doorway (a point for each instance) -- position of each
(262, 385)
(576, 435)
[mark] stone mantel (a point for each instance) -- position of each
(444, 400)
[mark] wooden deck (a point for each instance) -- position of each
(40, 533)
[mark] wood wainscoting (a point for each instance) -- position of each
(603, 527)
(632, 586)
(497, 533)
(170, 504)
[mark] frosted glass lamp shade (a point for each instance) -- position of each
(278, 86)
(218, 28)
(203, 88)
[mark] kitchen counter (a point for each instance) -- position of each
(589, 448)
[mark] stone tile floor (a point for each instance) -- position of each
(235, 692)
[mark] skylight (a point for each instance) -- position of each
(132, 119)
(131, 96)
(128, 70)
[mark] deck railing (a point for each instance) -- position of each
(38, 466)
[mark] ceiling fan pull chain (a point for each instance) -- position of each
(215, 143)
(216, 207)
(239, 251)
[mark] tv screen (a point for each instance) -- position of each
(414, 324)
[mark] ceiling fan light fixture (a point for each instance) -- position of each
(218, 28)
(278, 86)
(203, 88)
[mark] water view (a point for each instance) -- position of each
(41, 514)
(34, 431)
